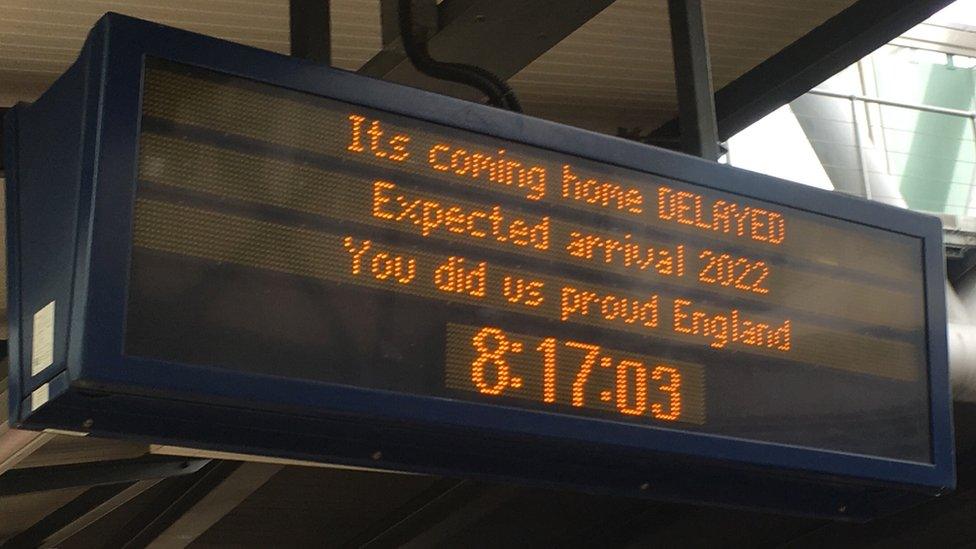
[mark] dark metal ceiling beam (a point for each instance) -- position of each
(310, 30)
(410, 519)
(823, 52)
(69, 514)
(170, 501)
(439, 533)
(502, 36)
(37, 479)
(433, 516)
(392, 56)
(216, 504)
(78, 514)
(17, 445)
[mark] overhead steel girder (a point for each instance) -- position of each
(503, 36)
(37, 479)
(823, 52)
(173, 500)
(211, 504)
(432, 517)
(78, 514)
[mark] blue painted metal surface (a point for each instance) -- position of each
(71, 160)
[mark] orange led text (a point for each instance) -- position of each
(520, 290)
(493, 167)
(576, 302)
(381, 265)
(367, 135)
(606, 194)
(429, 216)
(569, 368)
(458, 276)
(723, 329)
(625, 252)
(734, 272)
(720, 216)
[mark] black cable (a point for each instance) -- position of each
(499, 93)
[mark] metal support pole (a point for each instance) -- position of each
(693, 79)
(866, 184)
(309, 25)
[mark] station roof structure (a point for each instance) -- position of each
(598, 64)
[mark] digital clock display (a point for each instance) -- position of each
(293, 235)
(574, 373)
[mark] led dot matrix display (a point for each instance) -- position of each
(302, 236)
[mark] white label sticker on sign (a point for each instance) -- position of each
(40, 396)
(42, 343)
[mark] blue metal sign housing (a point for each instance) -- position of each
(108, 337)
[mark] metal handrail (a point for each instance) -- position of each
(889, 103)
(854, 98)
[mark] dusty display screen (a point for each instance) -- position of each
(288, 234)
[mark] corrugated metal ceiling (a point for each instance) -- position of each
(40, 38)
(615, 70)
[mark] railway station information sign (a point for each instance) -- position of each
(284, 233)
(399, 243)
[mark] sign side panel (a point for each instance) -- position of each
(14, 390)
(44, 225)
(943, 446)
